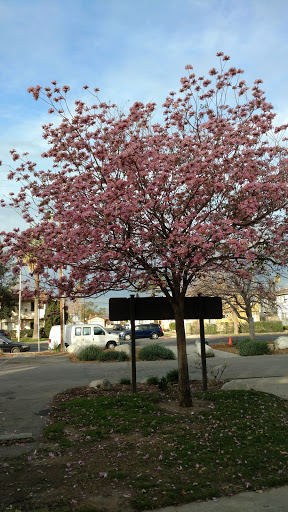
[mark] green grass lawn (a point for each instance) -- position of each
(145, 452)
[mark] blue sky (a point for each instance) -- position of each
(130, 49)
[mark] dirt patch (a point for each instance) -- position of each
(226, 348)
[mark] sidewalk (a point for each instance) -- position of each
(273, 500)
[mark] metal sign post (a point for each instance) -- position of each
(133, 344)
(203, 348)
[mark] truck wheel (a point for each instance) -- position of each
(111, 344)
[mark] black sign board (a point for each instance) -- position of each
(159, 308)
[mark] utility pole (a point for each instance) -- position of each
(19, 314)
(61, 306)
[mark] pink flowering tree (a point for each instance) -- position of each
(140, 199)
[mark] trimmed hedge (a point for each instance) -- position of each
(155, 352)
(268, 326)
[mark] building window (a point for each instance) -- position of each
(32, 307)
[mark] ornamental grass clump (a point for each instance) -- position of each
(155, 352)
(172, 376)
(152, 381)
(253, 348)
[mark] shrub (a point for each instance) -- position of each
(155, 352)
(114, 356)
(253, 348)
(245, 340)
(91, 353)
(26, 333)
(172, 326)
(94, 353)
(153, 381)
(172, 376)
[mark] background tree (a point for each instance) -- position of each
(133, 198)
(241, 292)
(8, 298)
(52, 316)
(90, 309)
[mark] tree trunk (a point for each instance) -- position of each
(250, 322)
(36, 307)
(185, 398)
(235, 322)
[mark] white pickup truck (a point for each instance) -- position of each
(83, 335)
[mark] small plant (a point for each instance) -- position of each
(125, 381)
(214, 371)
(163, 384)
(172, 376)
(153, 381)
(155, 352)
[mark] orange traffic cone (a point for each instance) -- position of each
(230, 341)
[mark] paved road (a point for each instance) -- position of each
(28, 382)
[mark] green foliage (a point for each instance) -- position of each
(172, 376)
(268, 326)
(114, 356)
(94, 353)
(155, 352)
(210, 329)
(52, 316)
(8, 299)
(253, 348)
(172, 326)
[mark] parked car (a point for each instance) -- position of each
(152, 331)
(5, 333)
(6, 345)
(117, 327)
